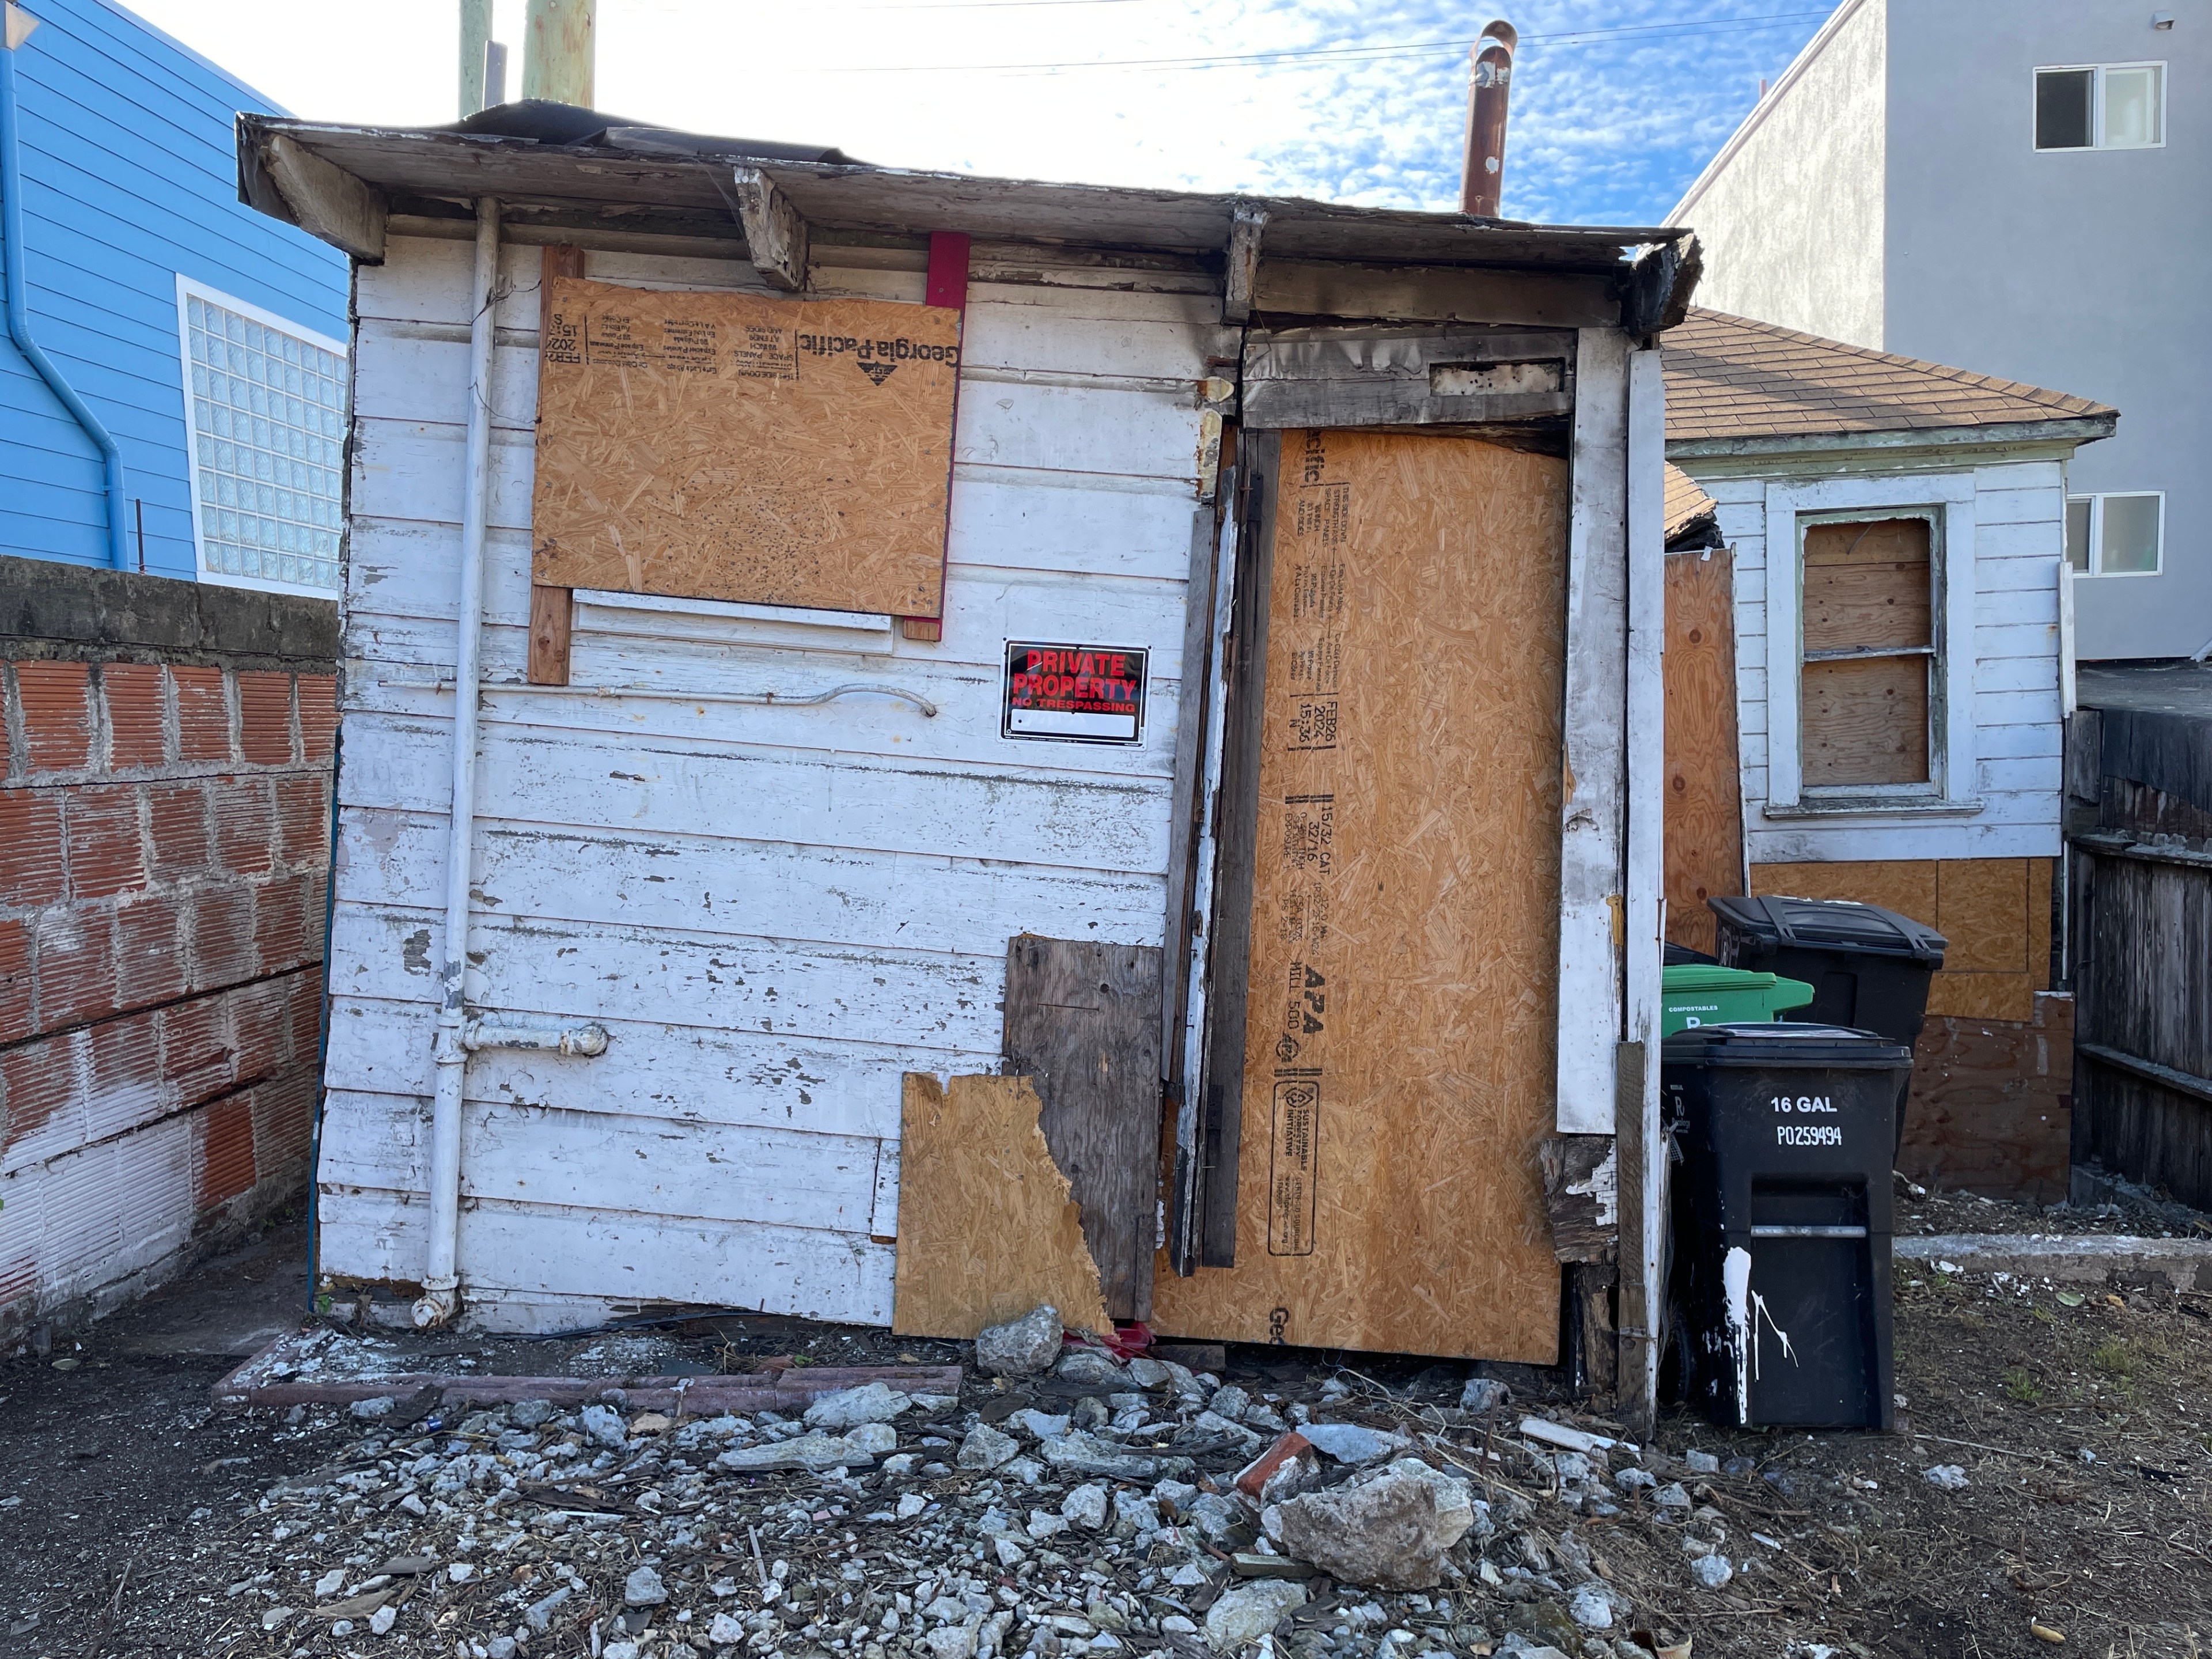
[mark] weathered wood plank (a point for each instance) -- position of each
(1083, 1019)
(521, 1264)
(1444, 293)
(764, 887)
(552, 613)
(1704, 797)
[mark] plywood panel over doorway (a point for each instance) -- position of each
(1402, 1009)
(1705, 793)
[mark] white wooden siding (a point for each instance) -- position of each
(2017, 537)
(775, 910)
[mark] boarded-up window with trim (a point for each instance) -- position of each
(1871, 652)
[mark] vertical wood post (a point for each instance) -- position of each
(559, 54)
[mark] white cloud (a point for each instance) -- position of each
(1604, 130)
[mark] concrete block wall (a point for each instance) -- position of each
(166, 764)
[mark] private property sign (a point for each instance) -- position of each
(1073, 693)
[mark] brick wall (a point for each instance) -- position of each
(164, 856)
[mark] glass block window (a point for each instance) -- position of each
(268, 412)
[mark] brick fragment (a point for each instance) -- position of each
(241, 808)
(318, 718)
(149, 957)
(222, 938)
(136, 722)
(264, 718)
(198, 1060)
(177, 825)
(32, 872)
(75, 968)
(303, 819)
(56, 698)
(226, 1151)
(203, 714)
(38, 1084)
(284, 1116)
(106, 848)
(15, 981)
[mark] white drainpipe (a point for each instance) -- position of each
(440, 1277)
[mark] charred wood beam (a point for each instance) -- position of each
(1240, 278)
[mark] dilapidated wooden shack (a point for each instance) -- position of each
(814, 630)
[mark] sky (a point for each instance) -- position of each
(1617, 104)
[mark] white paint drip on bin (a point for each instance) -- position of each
(1747, 1310)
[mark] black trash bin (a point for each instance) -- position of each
(1782, 1220)
(1868, 967)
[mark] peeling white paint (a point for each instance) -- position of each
(1603, 1187)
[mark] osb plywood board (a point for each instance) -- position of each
(1704, 821)
(1865, 721)
(1401, 1038)
(729, 446)
(988, 1227)
(1868, 584)
(1994, 915)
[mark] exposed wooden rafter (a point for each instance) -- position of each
(1243, 273)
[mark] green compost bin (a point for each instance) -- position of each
(1692, 994)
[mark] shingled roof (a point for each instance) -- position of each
(1729, 379)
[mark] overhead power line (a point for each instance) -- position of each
(1310, 55)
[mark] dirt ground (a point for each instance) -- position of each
(134, 1520)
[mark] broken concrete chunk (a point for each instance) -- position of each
(1078, 1453)
(1220, 1519)
(986, 1447)
(1135, 1513)
(1389, 1528)
(1484, 1394)
(1713, 1572)
(814, 1451)
(1591, 1608)
(370, 1410)
(643, 1589)
(849, 1409)
(604, 1426)
(1949, 1477)
(1021, 1346)
(1700, 1462)
(1085, 1507)
(1351, 1442)
(1037, 1425)
(1150, 1374)
(1250, 1612)
(532, 1414)
(1671, 1496)
(1093, 1368)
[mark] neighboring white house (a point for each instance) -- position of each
(1896, 529)
(2024, 187)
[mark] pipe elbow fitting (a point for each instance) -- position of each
(436, 1307)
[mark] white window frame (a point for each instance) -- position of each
(2097, 498)
(188, 288)
(2096, 107)
(1948, 501)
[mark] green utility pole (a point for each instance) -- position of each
(557, 51)
(475, 35)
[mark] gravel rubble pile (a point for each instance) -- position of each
(1094, 1508)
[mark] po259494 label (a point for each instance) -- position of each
(1808, 1134)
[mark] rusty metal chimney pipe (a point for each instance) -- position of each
(1490, 86)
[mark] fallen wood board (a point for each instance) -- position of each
(731, 446)
(1083, 1019)
(259, 1383)
(988, 1227)
(1400, 1060)
(1703, 814)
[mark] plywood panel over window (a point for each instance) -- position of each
(1401, 1038)
(1870, 653)
(729, 446)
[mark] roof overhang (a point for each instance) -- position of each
(1701, 456)
(344, 183)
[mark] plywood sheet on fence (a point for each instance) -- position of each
(731, 446)
(1401, 1029)
(1704, 819)
(987, 1227)
(1083, 1019)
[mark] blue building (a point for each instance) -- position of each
(205, 339)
